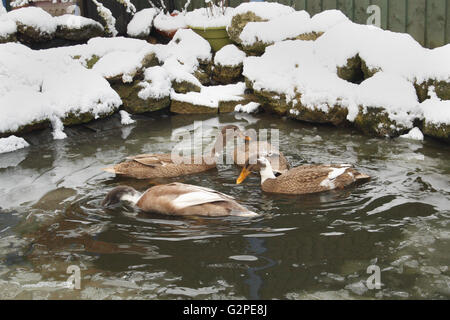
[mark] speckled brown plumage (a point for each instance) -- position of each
(255, 149)
(309, 179)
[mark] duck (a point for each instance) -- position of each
(255, 149)
(179, 199)
(157, 165)
(305, 179)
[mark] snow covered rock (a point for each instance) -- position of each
(208, 100)
(151, 94)
(436, 114)
(201, 18)
(123, 66)
(413, 134)
(33, 24)
(8, 29)
(228, 64)
(141, 24)
(251, 107)
(12, 143)
(167, 24)
(77, 28)
(387, 104)
(31, 95)
(254, 12)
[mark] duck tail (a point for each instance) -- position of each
(110, 170)
(362, 177)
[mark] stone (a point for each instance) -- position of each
(375, 121)
(132, 103)
(185, 86)
(78, 28)
(336, 115)
(351, 71)
(190, 108)
(442, 89)
(28, 34)
(238, 22)
(227, 74)
(439, 131)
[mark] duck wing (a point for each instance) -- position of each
(153, 160)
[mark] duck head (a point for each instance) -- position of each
(262, 165)
(121, 193)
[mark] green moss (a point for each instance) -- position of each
(308, 36)
(8, 38)
(28, 35)
(133, 103)
(227, 74)
(184, 87)
(238, 23)
(442, 89)
(351, 71)
(203, 77)
(438, 131)
(368, 72)
(92, 61)
(336, 115)
(82, 34)
(376, 122)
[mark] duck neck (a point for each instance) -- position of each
(267, 173)
(132, 197)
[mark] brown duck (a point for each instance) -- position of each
(304, 179)
(179, 199)
(157, 165)
(255, 149)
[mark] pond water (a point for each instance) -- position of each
(304, 247)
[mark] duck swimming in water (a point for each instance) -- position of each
(303, 179)
(179, 199)
(157, 165)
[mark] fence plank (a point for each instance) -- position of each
(447, 22)
(299, 4)
(416, 20)
(313, 6)
(397, 15)
(383, 4)
(346, 6)
(329, 4)
(435, 23)
(361, 11)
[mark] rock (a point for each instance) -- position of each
(352, 70)
(227, 74)
(272, 102)
(228, 65)
(336, 115)
(438, 131)
(238, 22)
(309, 36)
(72, 118)
(442, 89)
(190, 108)
(77, 28)
(375, 121)
(34, 25)
(185, 86)
(203, 77)
(129, 93)
(8, 30)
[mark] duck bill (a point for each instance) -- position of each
(247, 138)
(243, 175)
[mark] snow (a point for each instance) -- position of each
(75, 22)
(160, 84)
(119, 63)
(12, 143)
(30, 93)
(327, 19)
(436, 111)
(392, 92)
(264, 10)
(213, 95)
(58, 128)
(7, 26)
(165, 22)
(413, 134)
(107, 16)
(125, 118)
(284, 27)
(201, 18)
(142, 23)
(250, 107)
(230, 56)
(34, 17)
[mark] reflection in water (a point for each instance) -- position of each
(311, 246)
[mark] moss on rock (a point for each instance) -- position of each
(375, 121)
(227, 74)
(309, 36)
(11, 37)
(29, 35)
(368, 72)
(238, 22)
(133, 103)
(336, 115)
(83, 33)
(442, 89)
(438, 131)
(185, 87)
(91, 61)
(351, 71)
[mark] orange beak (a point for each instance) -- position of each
(243, 175)
(247, 138)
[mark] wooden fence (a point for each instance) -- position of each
(426, 20)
